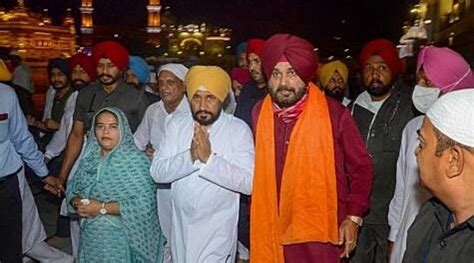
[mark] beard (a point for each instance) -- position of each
(335, 93)
(285, 96)
(377, 89)
(78, 84)
(109, 79)
(257, 76)
(206, 118)
(58, 85)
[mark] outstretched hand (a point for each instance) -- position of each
(53, 185)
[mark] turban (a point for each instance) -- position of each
(5, 74)
(241, 75)
(113, 51)
(297, 51)
(255, 46)
(140, 68)
(241, 48)
(453, 115)
(387, 51)
(85, 62)
(60, 64)
(445, 68)
(330, 68)
(211, 78)
(179, 70)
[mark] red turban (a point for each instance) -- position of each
(297, 51)
(387, 51)
(241, 75)
(85, 62)
(255, 46)
(113, 51)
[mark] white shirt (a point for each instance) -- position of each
(365, 101)
(152, 127)
(409, 196)
(49, 102)
(58, 143)
(205, 197)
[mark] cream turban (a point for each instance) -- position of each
(328, 70)
(211, 78)
(179, 70)
(453, 115)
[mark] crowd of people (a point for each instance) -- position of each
(271, 162)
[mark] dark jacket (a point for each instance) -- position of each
(432, 239)
(383, 144)
(251, 94)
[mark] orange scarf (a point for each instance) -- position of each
(307, 211)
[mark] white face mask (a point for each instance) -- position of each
(424, 97)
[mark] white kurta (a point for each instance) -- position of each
(409, 195)
(152, 130)
(58, 143)
(205, 197)
(33, 234)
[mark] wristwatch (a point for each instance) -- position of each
(356, 219)
(103, 210)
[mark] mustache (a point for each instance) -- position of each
(375, 81)
(254, 72)
(106, 75)
(285, 88)
(78, 81)
(203, 111)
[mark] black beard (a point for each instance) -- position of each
(78, 84)
(111, 81)
(378, 91)
(336, 94)
(287, 103)
(257, 77)
(64, 85)
(206, 122)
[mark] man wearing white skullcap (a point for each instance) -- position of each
(151, 131)
(443, 231)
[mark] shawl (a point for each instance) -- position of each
(307, 211)
(121, 176)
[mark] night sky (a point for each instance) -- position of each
(318, 21)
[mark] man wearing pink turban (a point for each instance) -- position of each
(312, 173)
(439, 71)
(381, 112)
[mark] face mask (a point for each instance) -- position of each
(424, 97)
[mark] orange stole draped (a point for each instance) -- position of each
(307, 211)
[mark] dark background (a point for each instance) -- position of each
(331, 26)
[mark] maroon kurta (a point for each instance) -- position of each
(353, 172)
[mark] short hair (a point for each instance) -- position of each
(444, 142)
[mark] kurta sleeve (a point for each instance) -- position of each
(142, 134)
(170, 163)
(235, 173)
(357, 165)
(58, 143)
(396, 205)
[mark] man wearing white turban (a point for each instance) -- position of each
(150, 132)
(443, 231)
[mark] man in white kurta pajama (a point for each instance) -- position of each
(208, 157)
(150, 133)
